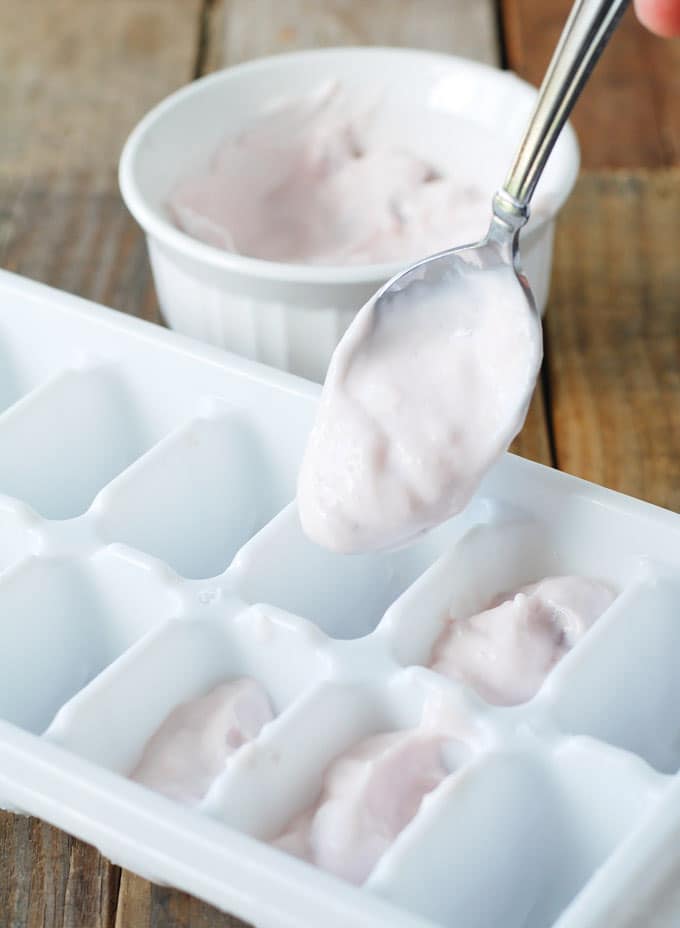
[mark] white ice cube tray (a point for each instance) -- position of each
(149, 550)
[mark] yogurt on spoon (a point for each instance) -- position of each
(424, 392)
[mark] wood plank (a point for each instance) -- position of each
(78, 239)
(49, 879)
(77, 76)
(144, 904)
(628, 116)
(614, 329)
(264, 27)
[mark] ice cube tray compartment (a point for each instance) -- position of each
(197, 495)
(520, 832)
(149, 551)
(17, 537)
(62, 621)
(67, 439)
(10, 387)
(274, 779)
(463, 833)
(186, 656)
(346, 596)
(620, 660)
(503, 553)
(27, 362)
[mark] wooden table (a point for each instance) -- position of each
(75, 75)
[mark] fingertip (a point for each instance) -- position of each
(660, 16)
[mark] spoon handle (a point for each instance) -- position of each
(587, 31)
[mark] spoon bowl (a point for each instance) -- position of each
(412, 396)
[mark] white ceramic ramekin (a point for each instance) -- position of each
(288, 315)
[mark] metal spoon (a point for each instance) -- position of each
(586, 33)
(435, 368)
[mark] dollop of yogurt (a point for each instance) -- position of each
(426, 389)
(191, 747)
(319, 180)
(369, 795)
(506, 652)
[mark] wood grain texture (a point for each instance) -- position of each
(614, 333)
(80, 239)
(628, 116)
(144, 905)
(262, 27)
(76, 76)
(49, 880)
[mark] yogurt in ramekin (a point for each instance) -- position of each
(288, 306)
(316, 180)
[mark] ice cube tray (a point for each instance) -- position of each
(149, 549)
